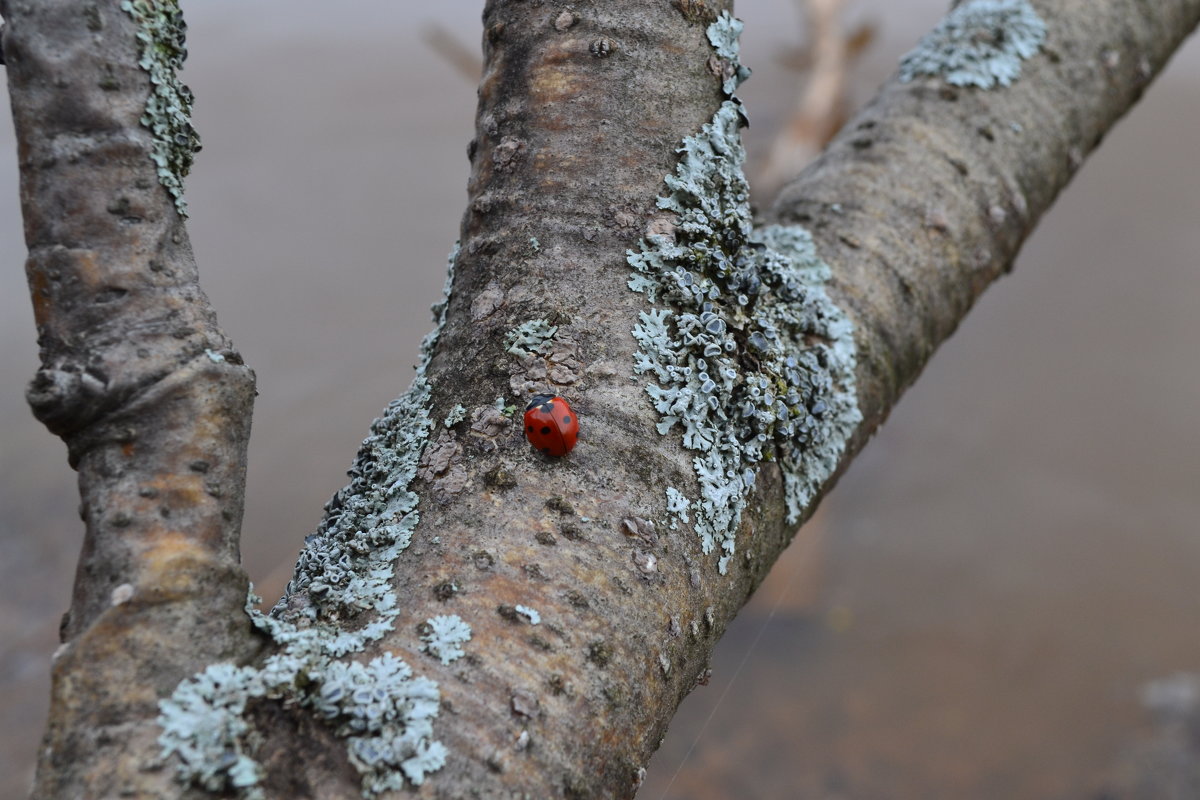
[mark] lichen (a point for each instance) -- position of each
(203, 724)
(503, 407)
(162, 50)
(979, 43)
(723, 36)
(387, 715)
(339, 600)
(456, 415)
(749, 357)
(677, 507)
(444, 636)
(530, 338)
(528, 613)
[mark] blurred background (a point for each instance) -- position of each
(1000, 600)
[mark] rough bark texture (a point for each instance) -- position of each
(918, 205)
(144, 388)
(580, 116)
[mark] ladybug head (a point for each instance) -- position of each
(539, 399)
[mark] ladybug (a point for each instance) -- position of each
(551, 425)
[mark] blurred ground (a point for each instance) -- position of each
(977, 609)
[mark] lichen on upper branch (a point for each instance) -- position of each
(748, 355)
(979, 43)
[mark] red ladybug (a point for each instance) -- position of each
(551, 425)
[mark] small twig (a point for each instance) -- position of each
(821, 107)
(464, 60)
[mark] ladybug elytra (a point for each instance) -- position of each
(551, 425)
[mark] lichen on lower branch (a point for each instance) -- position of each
(749, 357)
(339, 600)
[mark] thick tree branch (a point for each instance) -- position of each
(592, 610)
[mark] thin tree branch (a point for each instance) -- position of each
(464, 60)
(149, 395)
(820, 106)
(927, 194)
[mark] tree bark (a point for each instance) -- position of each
(592, 611)
(147, 392)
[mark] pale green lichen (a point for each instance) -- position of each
(203, 724)
(386, 713)
(979, 43)
(456, 415)
(750, 358)
(162, 50)
(530, 338)
(677, 507)
(444, 636)
(528, 613)
(723, 36)
(339, 600)
(505, 409)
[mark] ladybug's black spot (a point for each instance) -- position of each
(546, 450)
(548, 408)
(567, 420)
(545, 430)
(530, 428)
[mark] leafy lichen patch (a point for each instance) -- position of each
(530, 338)
(749, 357)
(545, 357)
(456, 415)
(444, 636)
(979, 43)
(723, 35)
(162, 50)
(203, 724)
(528, 613)
(677, 507)
(386, 713)
(339, 600)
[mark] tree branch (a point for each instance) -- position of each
(820, 107)
(926, 196)
(136, 377)
(591, 604)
